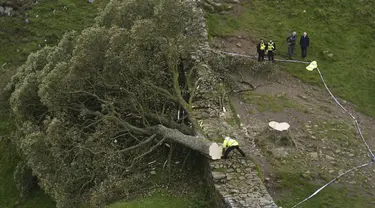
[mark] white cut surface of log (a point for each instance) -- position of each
(215, 151)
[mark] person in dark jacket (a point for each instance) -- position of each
(291, 40)
(271, 47)
(261, 48)
(304, 42)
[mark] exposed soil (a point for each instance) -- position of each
(325, 139)
(242, 44)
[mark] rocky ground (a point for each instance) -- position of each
(323, 141)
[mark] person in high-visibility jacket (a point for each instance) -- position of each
(261, 48)
(230, 144)
(271, 47)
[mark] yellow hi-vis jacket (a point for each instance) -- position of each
(229, 142)
(271, 46)
(262, 46)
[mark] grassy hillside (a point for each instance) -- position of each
(343, 29)
(48, 21)
(341, 34)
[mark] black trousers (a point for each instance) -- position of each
(270, 55)
(230, 149)
(304, 52)
(261, 55)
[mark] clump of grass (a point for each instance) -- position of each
(340, 131)
(325, 108)
(222, 170)
(259, 172)
(269, 103)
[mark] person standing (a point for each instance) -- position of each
(229, 145)
(261, 48)
(271, 47)
(304, 42)
(291, 44)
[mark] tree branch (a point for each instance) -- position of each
(138, 145)
(145, 153)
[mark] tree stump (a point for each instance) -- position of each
(279, 134)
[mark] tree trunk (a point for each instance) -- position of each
(280, 138)
(206, 147)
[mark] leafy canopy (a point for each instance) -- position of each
(86, 107)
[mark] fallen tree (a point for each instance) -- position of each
(91, 108)
(198, 143)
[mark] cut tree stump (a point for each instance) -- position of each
(279, 134)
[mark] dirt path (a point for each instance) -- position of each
(326, 141)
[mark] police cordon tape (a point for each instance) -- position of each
(254, 57)
(350, 114)
(313, 65)
(333, 180)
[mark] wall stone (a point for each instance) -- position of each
(6, 11)
(234, 182)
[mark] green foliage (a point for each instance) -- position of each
(15, 35)
(340, 31)
(84, 108)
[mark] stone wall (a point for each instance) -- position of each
(218, 198)
(235, 182)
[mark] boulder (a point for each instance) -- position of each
(218, 175)
(8, 11)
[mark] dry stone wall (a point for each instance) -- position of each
(235, 182)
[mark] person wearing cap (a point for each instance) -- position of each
(291, 40)
(271, 47)
(229, 145)
(261, 48)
